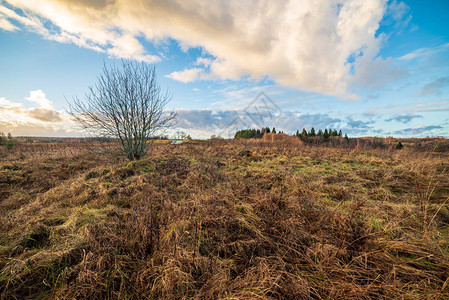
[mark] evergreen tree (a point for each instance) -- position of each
(326, 134)
(320, 133)
(268, 129)
(399, 146)
(339, 133)
(334, 132)
(312, 132)
(304, 132)
(274, 130)
(346, 138)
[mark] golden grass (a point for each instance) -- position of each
(224, 220)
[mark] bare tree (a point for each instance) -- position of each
(126, 103)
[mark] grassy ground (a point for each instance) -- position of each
(235, 220)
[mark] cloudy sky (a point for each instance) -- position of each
(368, 67)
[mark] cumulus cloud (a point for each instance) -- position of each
(313, 45)
(434, 87)
(403, 118)
(39, 98)
(41, 120)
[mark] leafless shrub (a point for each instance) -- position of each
(126, 103)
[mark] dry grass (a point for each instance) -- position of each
(224, 219)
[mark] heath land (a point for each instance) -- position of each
(234, 219)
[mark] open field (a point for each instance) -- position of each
(224, 219)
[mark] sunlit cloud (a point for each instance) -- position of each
(6, 25)
(40, 99)
(187, 75)
(40, 120)
(286, 41)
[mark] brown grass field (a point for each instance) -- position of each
(225, 220)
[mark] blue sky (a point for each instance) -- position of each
(370, 68)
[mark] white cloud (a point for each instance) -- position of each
(41, 120)
(28, 21)
(188, 75)
(39, 98)
(128, 47)
(302, 44)
(6, 25)
(203, 61)
(5, 103)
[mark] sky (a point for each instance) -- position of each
(367, 67)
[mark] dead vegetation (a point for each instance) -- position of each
(225, 219)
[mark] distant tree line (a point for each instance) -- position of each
(326, 133)
(258, 133)
(335, 138)
(254, 133)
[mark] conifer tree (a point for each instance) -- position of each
(304, 132)
(312, 132)
(326, 134)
